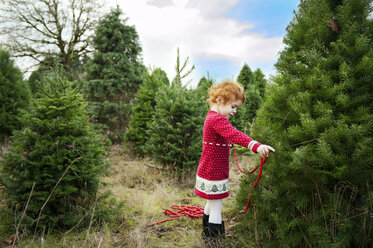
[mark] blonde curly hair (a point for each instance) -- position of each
(227, 91)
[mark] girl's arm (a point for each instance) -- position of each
(223, 127)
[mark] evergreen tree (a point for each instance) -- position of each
(175, 132)
(114, 73)
(14, 95)
(247, 112)
(56, 160)
(316, 189)
(144, 110)
(246, 76)
(260, 81)
(35, 81)
(203, 85)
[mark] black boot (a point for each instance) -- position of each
(216, 230)
(205, 222)
(216, 233)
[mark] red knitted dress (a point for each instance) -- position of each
(213, 169)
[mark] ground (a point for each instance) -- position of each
(147, 190)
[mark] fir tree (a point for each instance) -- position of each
(114, 73)
(247, 112)
(260, 81)
(246, 76)
(14, 95)
(56, 160)
(175, 132)
(318, 115)
(144, 110)
(203, 85)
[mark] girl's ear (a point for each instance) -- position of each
(219, 100)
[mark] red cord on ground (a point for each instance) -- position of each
(188, 211)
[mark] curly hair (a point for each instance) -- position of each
(228, 91)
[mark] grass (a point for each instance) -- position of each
(147, 190)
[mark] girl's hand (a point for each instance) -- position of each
(264, 150)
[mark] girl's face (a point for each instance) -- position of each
(229, 109)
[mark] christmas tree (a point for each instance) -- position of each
(143, 110)
(114, 74)
(316, 189)
(247, 112)
(52, 169)
(14, 95)
(175, 132)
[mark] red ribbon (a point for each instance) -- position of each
(262, 162)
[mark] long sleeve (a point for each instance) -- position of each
(223, 127)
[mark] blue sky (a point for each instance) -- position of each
(218, 36)
(269, 18)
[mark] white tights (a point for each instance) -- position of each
(213, 209)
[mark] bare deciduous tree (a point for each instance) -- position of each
(44, 29)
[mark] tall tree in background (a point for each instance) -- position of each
(246, 76)
(40, 29)
(260, 81)
(247, 112)
(114, 73)
(203, 85)
(14, 95)
(143, 111)
(318, 116)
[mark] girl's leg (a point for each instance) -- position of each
(205, 220)
(215, 207)
(206, 210)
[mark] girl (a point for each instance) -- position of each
(213, 170)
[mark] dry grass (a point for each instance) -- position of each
(147, 191)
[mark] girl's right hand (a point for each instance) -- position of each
(264, 150)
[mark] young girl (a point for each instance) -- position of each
(213, 170)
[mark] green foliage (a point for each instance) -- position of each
(114, 74)
(260, 81)
(14, 95)
(175, 133)
(318, 115)
(203, 85)
(254, 84)
(142, 113)
(246, 76)
(58, 152)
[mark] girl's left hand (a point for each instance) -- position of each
(264, 150)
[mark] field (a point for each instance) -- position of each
(147, 190)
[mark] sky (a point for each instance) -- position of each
(218, 36)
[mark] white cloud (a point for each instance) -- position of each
(199, 30)
(160, 3)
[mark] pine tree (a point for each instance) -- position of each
(143, 110)
(316, 189)
(14, 95)
(114, 73)
(246, 76)
(260, 81)
(56, 159)
(35, 81)
(175, 132)
(203, 85)
(247, 112)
